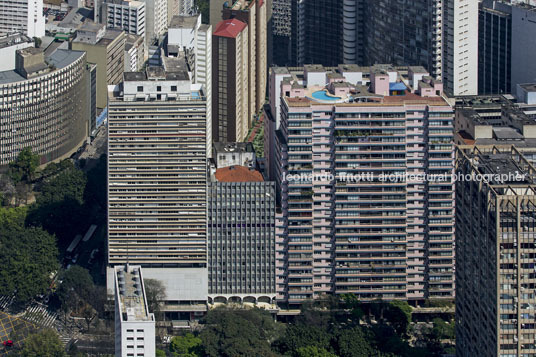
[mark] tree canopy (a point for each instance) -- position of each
(24, 166)
(45, 343)
(238, 332)
(186, 346)
(28, 256)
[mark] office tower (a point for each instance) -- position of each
(241, 231)
(125, 15)
(253, 13)
(494, 55)
(134, 324)
(402, 33)
(506, 46)
(495, 236)
(230, 83)
(22, 16)
(460, 47)
(45, 105)
(8, 48)
(106, 49)
(281, 31)
(363, 162)
(134, 52)
(187, 35)
(156, 20)
(157, 180)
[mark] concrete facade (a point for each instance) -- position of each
(128, 16)
(22, 16)
(495, 235)
(134, 324)
(54, 116)
(108, 53)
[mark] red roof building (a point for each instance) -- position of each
(238, 174)
(229, 28)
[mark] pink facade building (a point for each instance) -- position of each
(363, 159)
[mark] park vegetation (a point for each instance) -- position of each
(327, 328)
(33, 235)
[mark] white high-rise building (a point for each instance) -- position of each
(156, 20)
(22, 16)
(460, 49)
(128, 16)
(134, 324)
(188, 34)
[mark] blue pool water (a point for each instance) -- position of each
(321, 95)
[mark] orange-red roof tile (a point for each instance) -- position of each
(238, 174)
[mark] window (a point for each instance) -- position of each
(158, 88)
(140, 88)
(173, 88)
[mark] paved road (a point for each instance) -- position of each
(13, 328)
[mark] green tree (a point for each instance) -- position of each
(354, 343)
(160, 353)
(76, 288)
(13, 216)
(45, 343)
(302, 335)
(238, 332)
(24, 166)
(28, 256)
(313, 351)
(155, 292)
(398, 313)
(203, 7)
(186, 346)
(68, 184)
(442, 329)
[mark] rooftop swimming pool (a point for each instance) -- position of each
(321, 95)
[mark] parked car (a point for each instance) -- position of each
(8, 343)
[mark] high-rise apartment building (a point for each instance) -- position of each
(460, 47)
(22, 16)
(106, 49)
(157, 182)
(125, 15)
(253, 13)
(495, 249)
(241, 237)
(45, 104)
(134, 324)
(363, 162)
(230, 58)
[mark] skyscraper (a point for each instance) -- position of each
(495, 249)
(253, 13)
(494, 47)
(128, 16)
(230, 57)
(363, 162)
(241, 231)
(460, 47)
(22, 16)
(157, 179)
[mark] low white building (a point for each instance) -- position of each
(9, 46)
(134, 324)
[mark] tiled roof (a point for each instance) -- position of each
(238, 174)
(229, 28)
